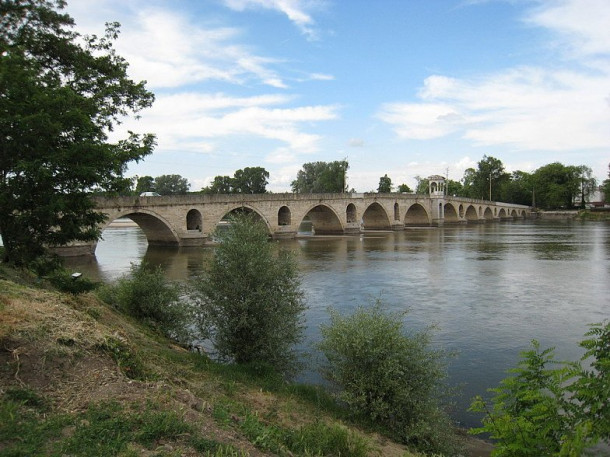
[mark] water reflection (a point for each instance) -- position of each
(490, 288)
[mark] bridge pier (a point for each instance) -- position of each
(75, 249)
(284, 232)
(352, 228)
(192, 238)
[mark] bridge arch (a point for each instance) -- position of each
(451, 216)
(157, 229)
(502, 214)
(417, 215)
(471, 214)
(194, 220)
(284, 216)
(488, 214)
(375, 217)
(351, 214)
(324, 220)
(241, 208)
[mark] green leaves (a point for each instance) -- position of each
(321, 177)
(60, 95)
(385, 184)
(250, 300)
(388, 377)
(549, 408)
(146, 294)
(250, 180)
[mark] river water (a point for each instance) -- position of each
(488, 288)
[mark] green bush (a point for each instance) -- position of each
(249, 299)
(550, 408)
(147, 295)
(388, 377)
(65, 282)
(46, 264)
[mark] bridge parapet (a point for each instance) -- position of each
(189, 220)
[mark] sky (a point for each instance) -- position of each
(399, 87)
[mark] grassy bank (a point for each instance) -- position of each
(594, 215)
(77, 378)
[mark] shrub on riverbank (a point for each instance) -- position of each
(551, 408)
(250, 300)
(146, 294)
(388, 377)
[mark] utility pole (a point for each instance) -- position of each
(489, 186)
(344, 173)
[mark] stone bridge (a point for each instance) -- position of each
(190, 220)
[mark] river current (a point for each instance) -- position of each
(488, 289)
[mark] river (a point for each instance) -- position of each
(488, 288)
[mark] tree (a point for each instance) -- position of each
(385, 185)
(403, 188)
(171, 185)
(486, 181)
(321, 177)
(388, 376)
(423, 185)
(606, 187)
(588, 183)
(60, 94)
(250, 298)
(468, 181)
(220, 185)
(518, 189)
(250, 180)
(557, 185)
(145, 184)
(454, 188)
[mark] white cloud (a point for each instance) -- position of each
(175, 54)
(321, 77)
(297, 11)
(189, 121)
(421, 121)
(280, 156)
(168, 50)
(582, 25)
(529, 107)
(280, 180)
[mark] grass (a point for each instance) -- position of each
(108, 428)
(78, 378)
(104, 429)
(316, 438)
(125, 357)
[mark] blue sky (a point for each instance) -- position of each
(399, 87)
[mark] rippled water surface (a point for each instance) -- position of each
(489, 288)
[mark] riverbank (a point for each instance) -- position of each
(75, 374)
(601, 214)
